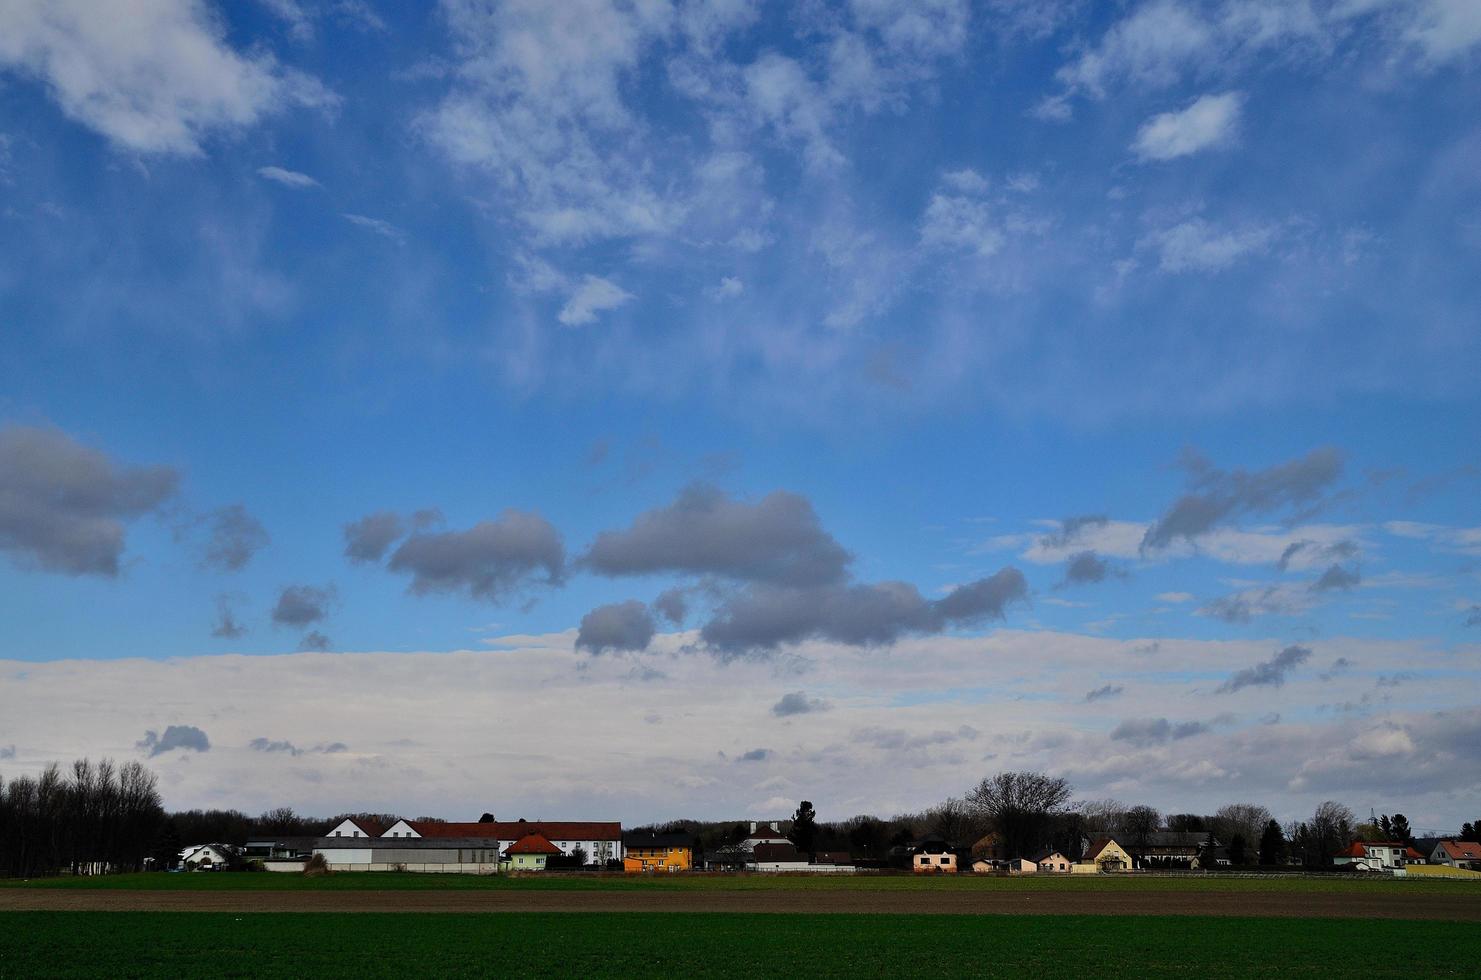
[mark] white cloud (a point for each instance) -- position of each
(288, 178)
(1174, 597)
(1210, 120)
(730, 286)
(1195, 245)
(860, 755)
(153, 76)
(383, 228)
(957, 222)
(594, 295)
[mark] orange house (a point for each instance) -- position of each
(657, 852)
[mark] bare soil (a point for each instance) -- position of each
(1453, 908)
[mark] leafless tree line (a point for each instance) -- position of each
(92, 818)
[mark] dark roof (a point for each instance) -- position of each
(370, 827)
(532, 844)
(1097, 845)
(833, 857)
(1043, 854)
(1177, 838)
(641, 838)
(515, 829)
(776, 852)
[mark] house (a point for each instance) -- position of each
(600, 840)
(989, 848)
(1412, 856)
(763, 833)
(1103, 854)
(209, 857)
(529, 853)
(355, 827)
(1363, 855)
(1050, 860)
(1169, 849)
(932, 855)
(1021, 866)
(647, 851)
(1462, 854)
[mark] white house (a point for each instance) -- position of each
(1368, 855)
(1457, 854)
(600, 840)
(207, 857)
(763, 833)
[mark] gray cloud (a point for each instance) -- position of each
(777, 540)
(184, 737)
(487, 561)
(1087, 568)
(897, 739)
(1217, 496)
(1241, 607)
(314, 640)
(7, 751)
(1338, 578)
(63, 506)
(302, 605)
(1102, 693)
(755, 755)
(672, 605)
(621, 626)
(1338, 551)
(1339, 666)
(1268, 673)
(284, 747)
(762, 618)
(369, 538)
(227, 627)
(1070, 529)
(798, 703)
(1473, 616)
(235, 537)
(1156, 731)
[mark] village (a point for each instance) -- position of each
(490, 846)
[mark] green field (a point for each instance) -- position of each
(62, 944)
(391, 881)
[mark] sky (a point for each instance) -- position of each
(633, 410)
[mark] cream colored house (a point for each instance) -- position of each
(1103, 854)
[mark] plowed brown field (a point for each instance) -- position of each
(1454, 908)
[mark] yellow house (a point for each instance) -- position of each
(657, 852)
(1103, 854)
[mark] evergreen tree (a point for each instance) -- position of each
(1272, 844)
(805, 828)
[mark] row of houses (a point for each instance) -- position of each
(490, 846)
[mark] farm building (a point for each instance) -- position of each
(601, 841)
(647, 851)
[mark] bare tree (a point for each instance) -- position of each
(1330, 830)
(1020, 807)
(1139, 823)
(1246, 820)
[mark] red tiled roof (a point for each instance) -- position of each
(1354, 850)
(532, 844)
(515, 829)
(1412, 854)
(1464, 849)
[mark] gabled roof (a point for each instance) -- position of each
(370, 827)
(515, 829)
(532, 844)
(1412, 854)
(1044, 854)
(1463, 850)
(1354, 850)
(1099, 844)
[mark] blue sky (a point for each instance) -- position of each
(876, 330)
